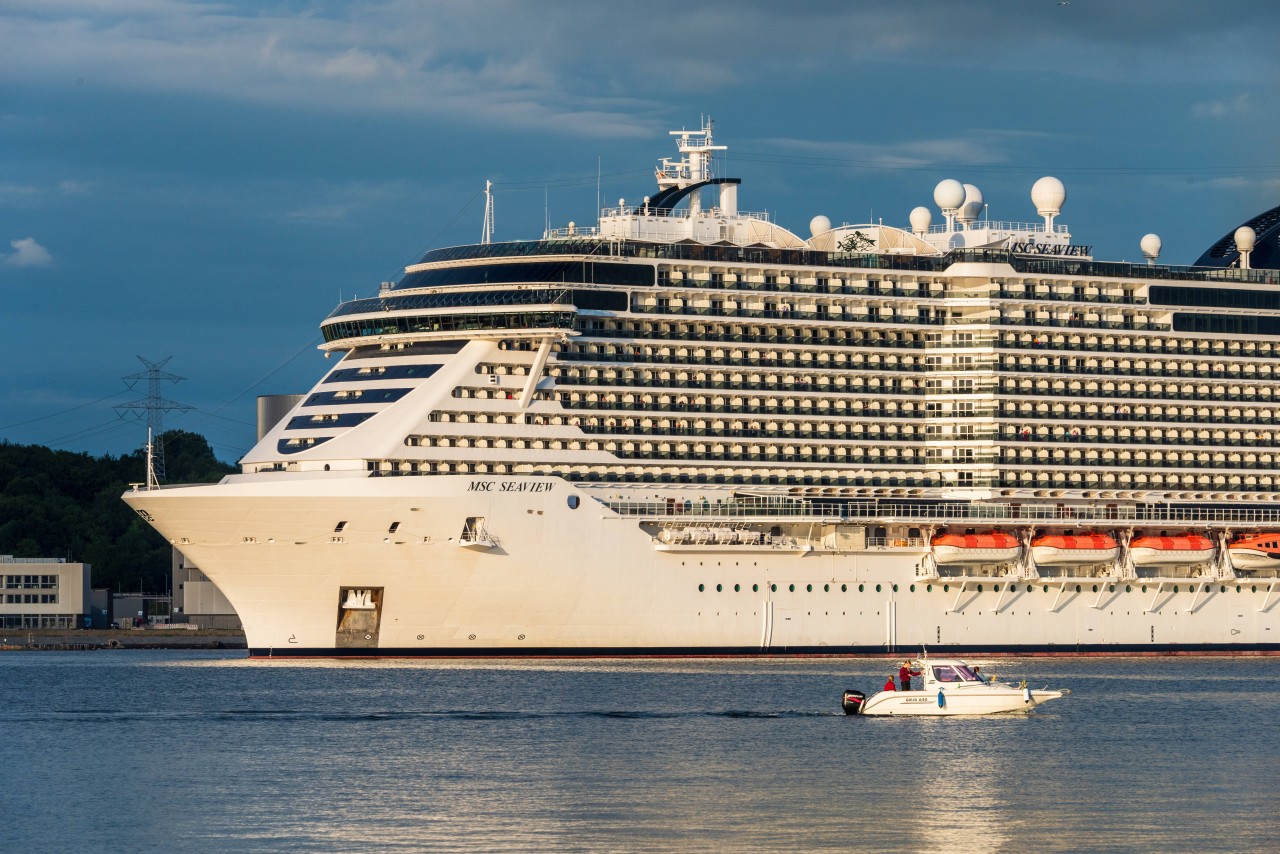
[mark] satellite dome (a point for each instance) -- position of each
(920, 219)
(949, 194)
(1246, 238)
(972, 207)
(1151, 246)
(819, 225)
(1047, 195)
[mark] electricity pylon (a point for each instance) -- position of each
(154, 406)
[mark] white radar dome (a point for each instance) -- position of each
(949, 194)
(1246, 238)
(1047, 195)
(920, 219)
(1151, 246)
(819, 225)
(972, 207)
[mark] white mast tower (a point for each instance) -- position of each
(486, 234)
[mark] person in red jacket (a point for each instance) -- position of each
(904, 675)
(889, 686)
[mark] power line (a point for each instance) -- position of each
(154, 405)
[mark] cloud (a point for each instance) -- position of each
(1240, 105)
(73, 188)
(28, 253)
(608, 70)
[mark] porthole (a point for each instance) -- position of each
(861, 588)
(877, 588)
(979, 588)
(1095, 588)
(995, 587)
(755, 588)
(773, 588)
(737, 588)
(791, 588)
(913, 588)
(1046, 588)
(1222, 589)
(946, 588)
(719, 588)
(1237, 588)
(1111, 588)
(808, 588)
(701, 588)
(928, 588)
(573, 502)
(1254, 588)
(843, 588)
(1175, 588)
(1028, 588)
(895, 588)
(1077, 588)
(826, 588)
(1144, 588)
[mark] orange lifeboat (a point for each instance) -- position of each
(1065, 549)
(1171, 551)
(955, 549)
(1251, 552)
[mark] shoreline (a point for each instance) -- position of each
(27, 640)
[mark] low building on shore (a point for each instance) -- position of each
(44, 593)
(197, 600)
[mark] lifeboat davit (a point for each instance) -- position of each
(1255, 551)
(995, 547)
(1060, 549)
(1171, 551)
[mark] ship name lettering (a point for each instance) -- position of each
(508, 486)
(1030, 247)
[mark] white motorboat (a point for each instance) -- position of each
(951, 687)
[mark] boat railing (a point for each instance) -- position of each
(881, 512)
(995, 225)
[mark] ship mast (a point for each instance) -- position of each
(486, 233)
(695, 168)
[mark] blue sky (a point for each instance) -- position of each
(204, 180)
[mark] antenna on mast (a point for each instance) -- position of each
(486, 235)
(152, 482)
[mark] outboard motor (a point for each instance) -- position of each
(852, 702)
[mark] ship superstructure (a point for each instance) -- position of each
(690, 430)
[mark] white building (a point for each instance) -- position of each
(43, 593)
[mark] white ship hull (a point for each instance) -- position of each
(587, 581)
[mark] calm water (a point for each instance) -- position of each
(210, 752)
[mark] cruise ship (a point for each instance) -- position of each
(688, 430)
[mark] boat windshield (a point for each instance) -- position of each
(954, 673)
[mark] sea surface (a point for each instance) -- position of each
(208, 751)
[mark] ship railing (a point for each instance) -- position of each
(997, 225)
(678, 213)
(896, 542)
(12, 559)
(1006, 515)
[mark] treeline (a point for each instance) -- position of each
(66, 505)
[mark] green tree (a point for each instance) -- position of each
(63, 504)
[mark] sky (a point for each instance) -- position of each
(203, 182)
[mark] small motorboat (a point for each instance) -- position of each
(960, 549)
(1251, 552)
(951, 687)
